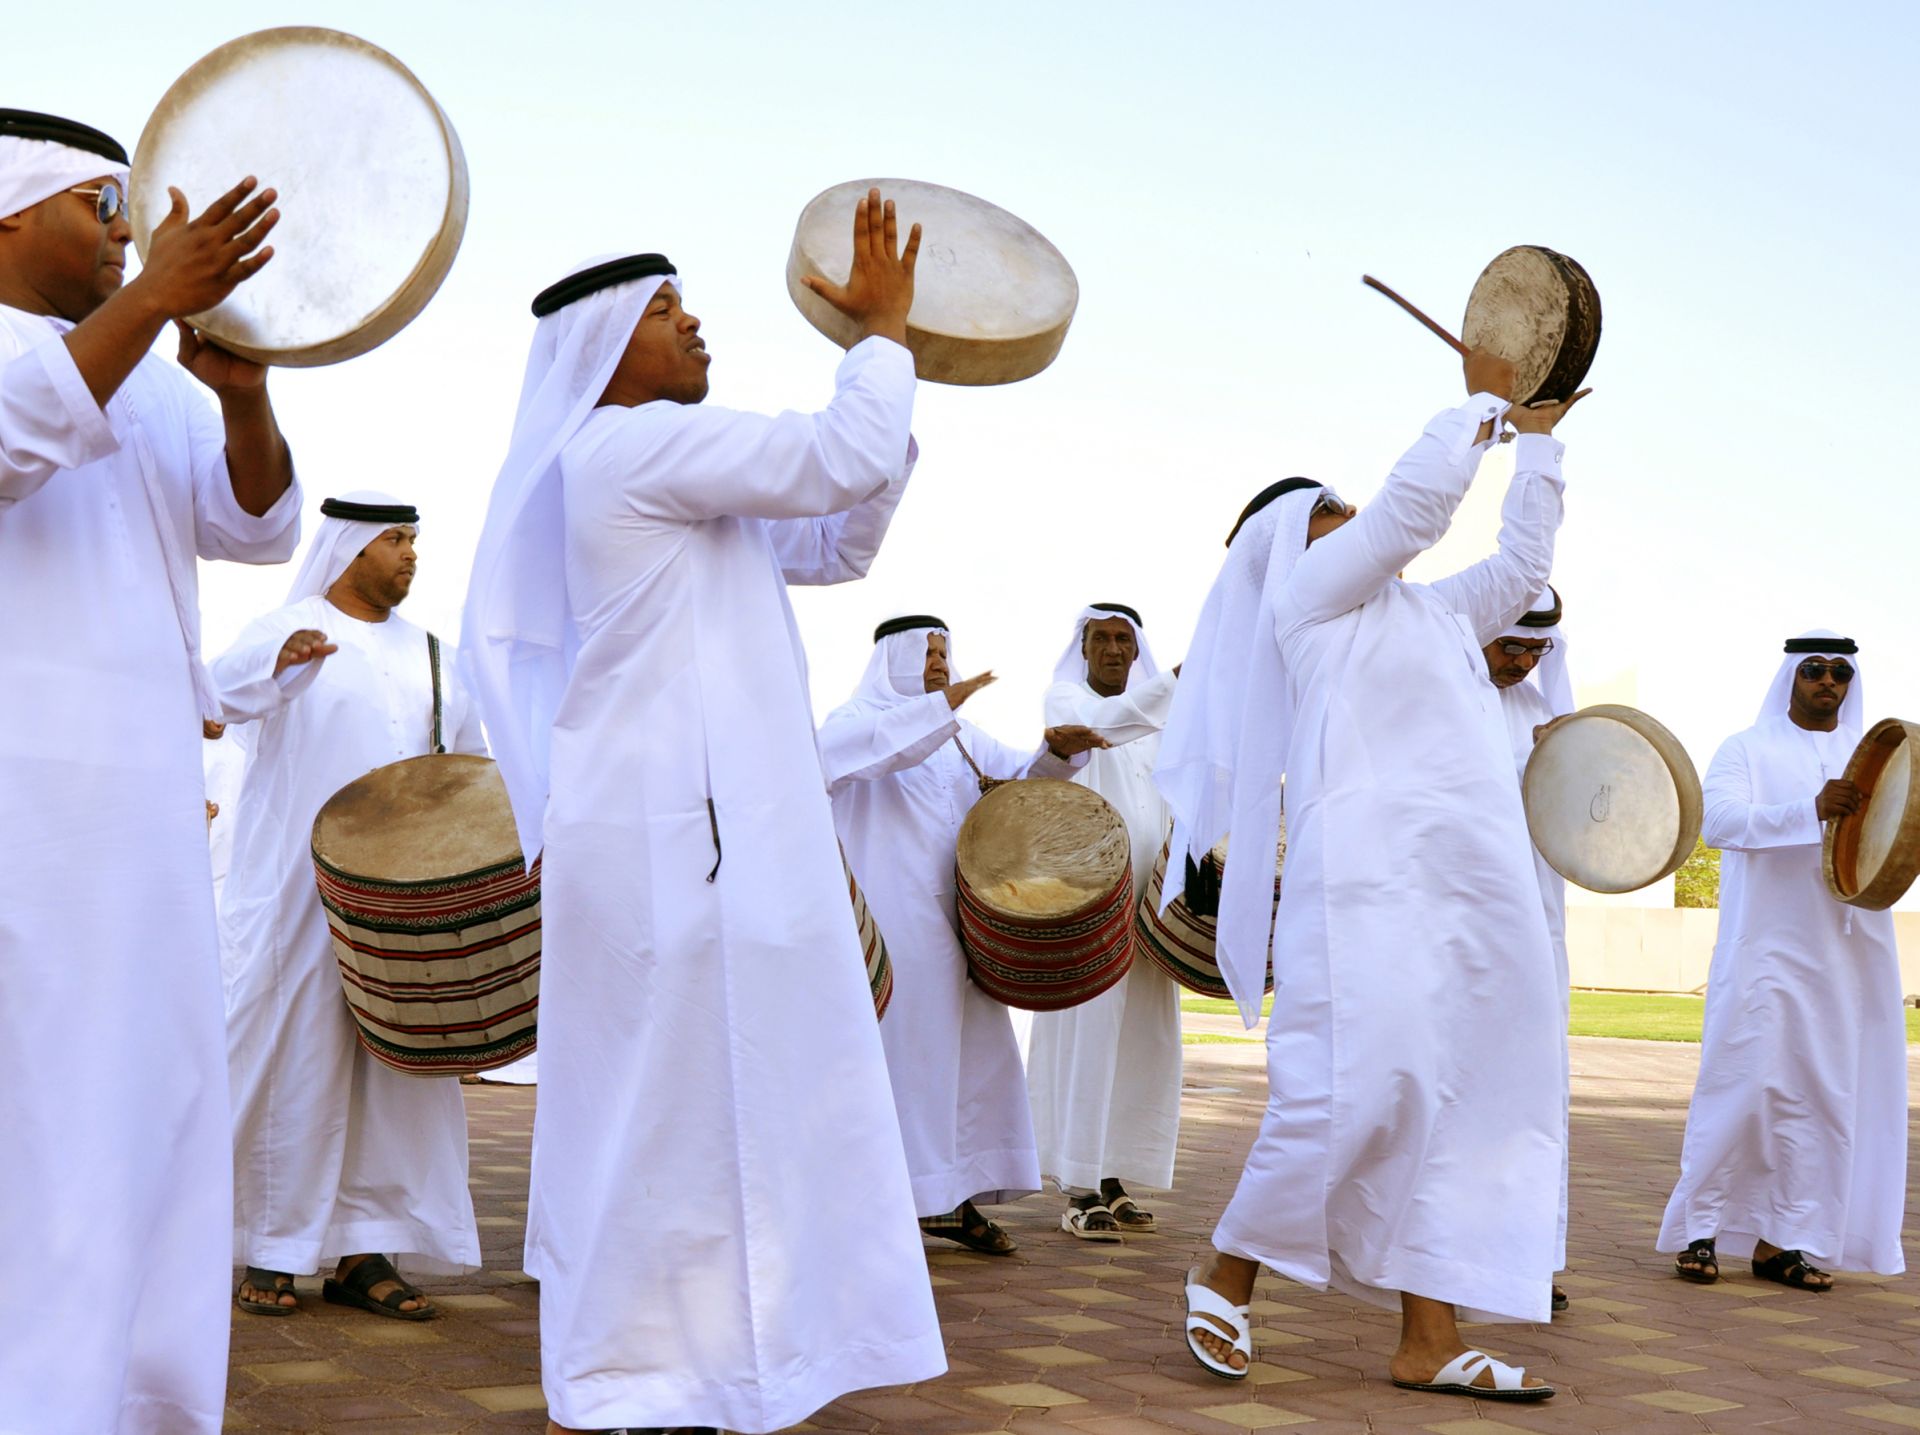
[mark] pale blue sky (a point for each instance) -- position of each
(1740, 180)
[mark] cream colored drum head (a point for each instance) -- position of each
(1872, 857)
(1539, 310)
(1612, 799)
(992, 299)
(1042, 848)
(372, 182)
(419, 820)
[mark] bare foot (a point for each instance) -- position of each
(381, 1289)
(1231, 1278)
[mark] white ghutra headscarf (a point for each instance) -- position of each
(1072, 667)
(897, 667)
(1825, 644)
(518, 642)
(1552, 673)
(338, 541)
(1224, 751)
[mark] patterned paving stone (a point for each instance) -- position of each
(1064, 1339)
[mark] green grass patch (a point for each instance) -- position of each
(1213, 1038)
(1632, 1015)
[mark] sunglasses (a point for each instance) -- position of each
(1521, 650)
(108, 202)
(1815, 671)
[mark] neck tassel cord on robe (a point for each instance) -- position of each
(1224, 752)
(518, 643)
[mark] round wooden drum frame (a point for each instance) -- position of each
(1888, 829)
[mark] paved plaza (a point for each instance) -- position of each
(1073, 1338)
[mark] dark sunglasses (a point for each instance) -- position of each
(108, 202)
(1814, 671)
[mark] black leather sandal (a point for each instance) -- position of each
(1699, 1254)
(356, 1290)
(1792, 1268)
(279, 1282)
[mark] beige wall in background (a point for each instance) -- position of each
(1668, 949)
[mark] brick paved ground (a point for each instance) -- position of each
(1068, 1338)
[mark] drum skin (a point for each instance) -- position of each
(1044, 887)
(1871, 858)
(992, 298)
(1612, 799)
(434, 918)
(873, 946)
(1539, 310)
(372, 183)
(1181, 943)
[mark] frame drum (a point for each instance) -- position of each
(992, 298)
(1613, 801)
(1538, 310)
(372, 181)
(1871, 858)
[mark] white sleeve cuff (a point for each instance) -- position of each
(1538, 453)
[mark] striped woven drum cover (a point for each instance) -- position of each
(873, 946)
(435, 921)
(1181, 943)
(1045, 894)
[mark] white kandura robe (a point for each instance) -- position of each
(1797, 1134)
(115, 1188)
(900, 792)
(334, 1153)
(223, 761)
(1104, 1076)
(1412, 1140)
(1526, 707)
(721, 1219)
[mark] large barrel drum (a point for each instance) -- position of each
(873, 946)
(1045, 887)
(434, 917)
(1181, 941)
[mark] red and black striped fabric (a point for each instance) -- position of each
(443, 977)
(1048, 963)
(873, 946)
(1180, 943)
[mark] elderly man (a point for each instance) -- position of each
(1415, 1039)
(713, 1090)
(1105, 1075)
(1534, 647)
(1796, 1146)
(336, 1156)
(904, 769)
(115, 474)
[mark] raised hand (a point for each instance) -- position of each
(219, 370)
(1839, 798)
(1072, 739)
(879, 291)
(193, 264)
(958, 693)
(1488, 373)
(1541, 417)
(309, 645)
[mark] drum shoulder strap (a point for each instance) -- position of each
(439, 699)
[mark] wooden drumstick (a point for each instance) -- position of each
(1373, 283)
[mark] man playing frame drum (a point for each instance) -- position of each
(1105, 1075)
(115, 475)
(904, 769)
(337, 1158)
(1796, 1145)
(712, 1082)
(1407, 874)
(1534, 648)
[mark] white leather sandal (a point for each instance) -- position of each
(1456, 1377)
(1203, 1301)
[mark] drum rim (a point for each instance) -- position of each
(1123, 865)
(1840, 842)
(1579, 346)
(939, 356)
(440, 758)
(410, 298)
(1679, 764)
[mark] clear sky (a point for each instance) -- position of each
(1740, 179)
